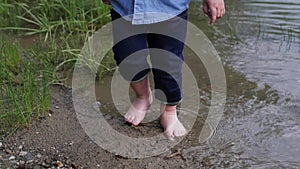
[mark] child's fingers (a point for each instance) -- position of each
(223, 12)
(213, 15)
(220, 13)
(214, 9)
(205, 9)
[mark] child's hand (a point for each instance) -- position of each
(215, 9)
(106, 2)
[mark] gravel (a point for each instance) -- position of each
(23, 158)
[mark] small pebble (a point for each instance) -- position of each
(8, 151)
(36, 167)
(1, 157)
(96, 105)
(58, 164)
(56, 107)
(74, 166)
(45, 165)
(12, 158)
(20, 147)
(14, 162)
(48, 161)
(39, 155)
(29, 161)
(70, 144)
(22, 165)
(23, 153)
(1, 144)
(108, 117)
(29, 156)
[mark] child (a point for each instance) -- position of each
(158, 15)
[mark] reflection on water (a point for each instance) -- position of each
(261, 125)
(270, 34)
(258, 42)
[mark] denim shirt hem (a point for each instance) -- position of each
(148, 12)
(165, 17)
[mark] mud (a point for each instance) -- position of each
(59, 137)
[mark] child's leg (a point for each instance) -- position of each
(142, 102)
(170, 123)
(130, 55)
(167, 70)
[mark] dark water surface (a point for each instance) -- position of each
(258, 41)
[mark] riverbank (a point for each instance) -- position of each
(59, 141)
(40, 42)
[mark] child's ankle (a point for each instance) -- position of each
(166, 109)
(145, 96)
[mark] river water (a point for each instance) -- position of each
(259, 44)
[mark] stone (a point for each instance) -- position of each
(29, 156)
(14, 162)
(39, 155)
(29, 161)
(23, 153)
(45, 165)
(12, 158)
(8, 151)
(48, 161)
(58, 164)
(71, 144)
(96, 105)
(22, 165)
(36, 167)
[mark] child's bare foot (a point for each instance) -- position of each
(138, 109)
(142, 102)
(169, 121)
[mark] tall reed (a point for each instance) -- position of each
(60, 29)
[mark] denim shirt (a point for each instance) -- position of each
(149, 11)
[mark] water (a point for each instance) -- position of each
(259, 44)
(271, 53)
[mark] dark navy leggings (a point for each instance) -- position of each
(163, 43)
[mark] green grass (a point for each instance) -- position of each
(54, 17)
(24, 87)
(60, 29)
